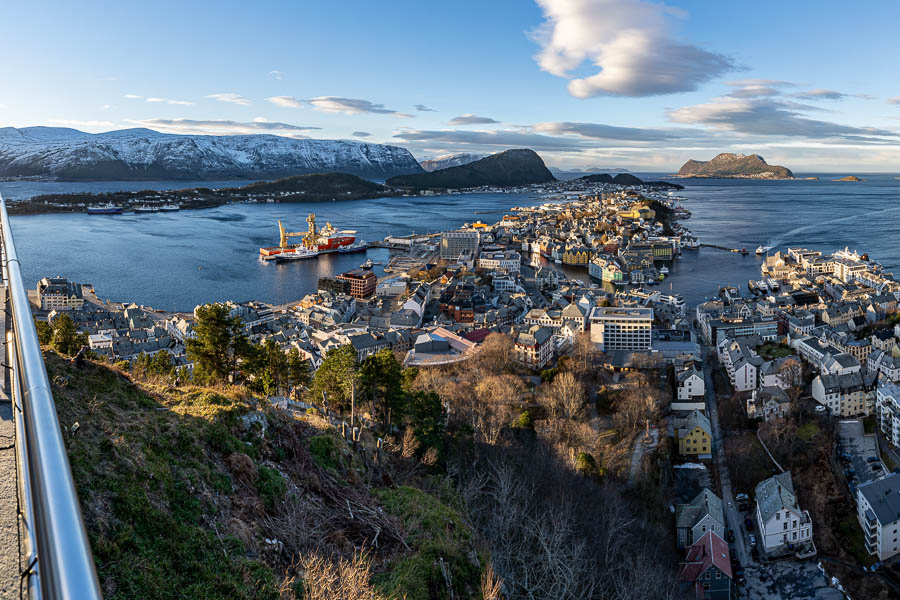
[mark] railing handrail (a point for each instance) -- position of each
(66, 566)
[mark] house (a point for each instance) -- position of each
(706, 569)
(840, 364)
(702, 514)
(694, 434)
(690, 384)
(534, 346)
(768, 403)
(782, 525)
(845, 395)
(59, 293)
(878, 512)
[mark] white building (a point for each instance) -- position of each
(58, 293)
(621, 328)
(781, 522)
(508, 260)
(887, 410)
(878, 511)
(690, 385)
(459, 243)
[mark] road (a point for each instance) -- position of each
(641, 446)
(734, 518)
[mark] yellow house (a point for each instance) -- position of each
(694, 434)
(576, 256)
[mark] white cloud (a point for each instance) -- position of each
(132, 96)
(629, 41)
(168, 101)
(230, 97)
(894, 100)
(773, 117)
(223, 127)
(77, 123)
(351, 106)
(104, 107)
(286, 101)
(470, 119)
(156, 99)
(275, 73)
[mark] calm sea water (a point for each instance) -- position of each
(178, 260)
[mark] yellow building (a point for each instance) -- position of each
(638, 211)
(694, 434)
(576, 256)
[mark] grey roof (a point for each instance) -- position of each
(705, 503)
(883, 495)
(775, 493)
(694, 419)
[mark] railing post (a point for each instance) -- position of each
(66, 566)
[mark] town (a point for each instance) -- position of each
(774, 414)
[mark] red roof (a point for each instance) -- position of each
(709, 550)
(477, 335)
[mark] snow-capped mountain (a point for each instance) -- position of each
(450, 160)
(146, 154)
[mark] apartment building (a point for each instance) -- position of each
(621, 328)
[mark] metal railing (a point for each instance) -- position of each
(58, 560)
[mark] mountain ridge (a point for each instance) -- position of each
(136, 154)
(509, 168)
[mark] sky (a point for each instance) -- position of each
(642, 85)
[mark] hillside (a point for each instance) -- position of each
(450, 160)
(738, 166)
(135, 154)
(191, 492)
(336, 184)
(629, 180)
(509, 168)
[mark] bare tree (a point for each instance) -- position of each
(495, 355)
(564, 396)
(333, 579)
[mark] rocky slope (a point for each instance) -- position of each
(509, 168)
(145, 154)
(740, 166)
(446, 161)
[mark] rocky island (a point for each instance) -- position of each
(849, 178)
(734, 166)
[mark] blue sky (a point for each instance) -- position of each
(587, 83)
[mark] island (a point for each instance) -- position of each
(734, 166)
(628, 179)
(849, 178)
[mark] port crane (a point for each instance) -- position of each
(287, 234)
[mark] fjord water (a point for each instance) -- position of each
(177, 260)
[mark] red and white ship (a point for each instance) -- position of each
(314, 242)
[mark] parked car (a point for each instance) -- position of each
(820, 408)
(872, 459)
(729, 536)
(752, 539)
(748, 523)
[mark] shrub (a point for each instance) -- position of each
(271, 486)
(324, 451)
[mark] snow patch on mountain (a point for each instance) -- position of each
(146, 154)
(446, 161)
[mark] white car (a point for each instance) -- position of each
(820, 409)
(752, 539)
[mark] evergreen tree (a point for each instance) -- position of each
(381, 377)
(298, 370)
(219, 344)
(66, 339)
(44, 332)
(336, 376)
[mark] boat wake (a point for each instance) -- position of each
(787, 236)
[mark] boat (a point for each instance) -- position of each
(146, 209)
(763, 250)
(367, 265)
(169, 208)
(319, 240)
(105, 209)
(359, 246)
(295, 254)
(744, 252)
(663, 271)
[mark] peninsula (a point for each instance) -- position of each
(510, 168)
(734, 166)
